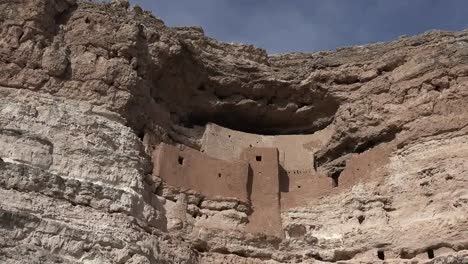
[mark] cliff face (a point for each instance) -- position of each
(90, 90)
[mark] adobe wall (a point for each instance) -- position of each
(303, 188)
(265, 199)
(298, 182)
(295, 151)
(188, 168)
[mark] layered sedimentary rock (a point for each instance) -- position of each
(371, 144)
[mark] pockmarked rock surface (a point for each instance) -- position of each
(358, 155)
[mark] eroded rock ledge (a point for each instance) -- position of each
(372, 143)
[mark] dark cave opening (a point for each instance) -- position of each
(335, 179)
(258, 123)
(361, 219)
(430, 253)
(256, 116)
(381, 254)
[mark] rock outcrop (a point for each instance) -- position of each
(89, 91)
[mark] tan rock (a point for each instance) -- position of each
(371, 144)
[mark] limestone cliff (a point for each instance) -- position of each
(89, 92)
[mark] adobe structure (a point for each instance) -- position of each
(188, 168)
(298, 178)
(272, 173)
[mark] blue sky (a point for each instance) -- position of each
(310, 25)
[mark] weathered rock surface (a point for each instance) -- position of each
(87, 90)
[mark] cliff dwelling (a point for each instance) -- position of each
(271, 173)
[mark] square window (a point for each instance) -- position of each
(258, 158)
